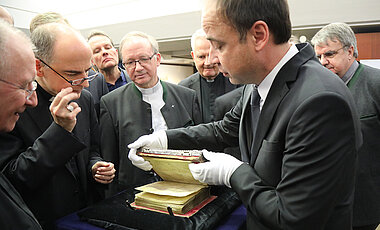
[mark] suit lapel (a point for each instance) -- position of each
(279, 89)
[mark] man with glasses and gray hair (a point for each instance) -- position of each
(17, 87)
(147, 105)
(335, 47)
(54, 152)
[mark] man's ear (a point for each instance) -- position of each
(39, 68)
(192, 54)
(351, 52)
(259, 34)
(158, 56)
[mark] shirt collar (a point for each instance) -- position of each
(156, 88)
(350, 72)
(265, 85)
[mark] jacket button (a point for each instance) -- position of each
(151, 130)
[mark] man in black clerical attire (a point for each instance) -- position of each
(207, 82)
(17, 88)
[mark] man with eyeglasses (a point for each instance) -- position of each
(17, 89)
(54, 156)
(335, 46)
(208, 82)
(97, 86)
(145, 106)
(106, 58)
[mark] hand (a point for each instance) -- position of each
(156, 140)
(217, 171)
(64, 117)
(103, 172)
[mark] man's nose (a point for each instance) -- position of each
(212, 57)
(324, 61)
(32, 101)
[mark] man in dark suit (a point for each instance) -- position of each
(106, 58)
(53, 152)
(145, 106)
(208, 83)
(335, 46)
(97, 86)
(17, 87)
(297, 126)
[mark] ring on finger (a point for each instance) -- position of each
(70, 108)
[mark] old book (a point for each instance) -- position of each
(178, 191)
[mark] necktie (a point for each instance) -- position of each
(255, 112)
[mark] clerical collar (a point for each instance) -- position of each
(156, 88)
(350, 72)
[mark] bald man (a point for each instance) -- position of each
(5, 15)
(54, 150)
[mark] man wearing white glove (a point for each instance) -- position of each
(217, 170)
(301, 155)
(157, 140)
(145, 106)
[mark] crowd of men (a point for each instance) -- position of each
(302, 120)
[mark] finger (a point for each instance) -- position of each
(60, 95)
(146, 166)
(208, 155)
(106, 172)
(196, 170)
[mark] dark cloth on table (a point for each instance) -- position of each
(113, 213)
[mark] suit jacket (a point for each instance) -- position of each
(365, 85)
(97, 88)
(226, 102)
(223, 104)
(194, 82)
(124, 117)
(50, 167)
(300, 170)
(15, 214)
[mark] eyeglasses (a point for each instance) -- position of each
(329, 54)
(77, 81)
(142, 62)
(29, 92)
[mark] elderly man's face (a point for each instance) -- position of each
(143, 75)
(334, 56)
(200, 55)
(71, 58)
(105, 56)
(20, 73)
(235, 57)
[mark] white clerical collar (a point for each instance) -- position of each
(148, 91)
(265, 85)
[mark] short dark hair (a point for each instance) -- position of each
(99, 33)
(242, 14)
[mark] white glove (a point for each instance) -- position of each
(156, 140)
(217, 171)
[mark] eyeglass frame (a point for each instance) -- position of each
(72, 82)
(330, 53)
(125, 64)
(28, 91)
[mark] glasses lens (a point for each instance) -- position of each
(30, 92)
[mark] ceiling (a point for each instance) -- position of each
(172, 22)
